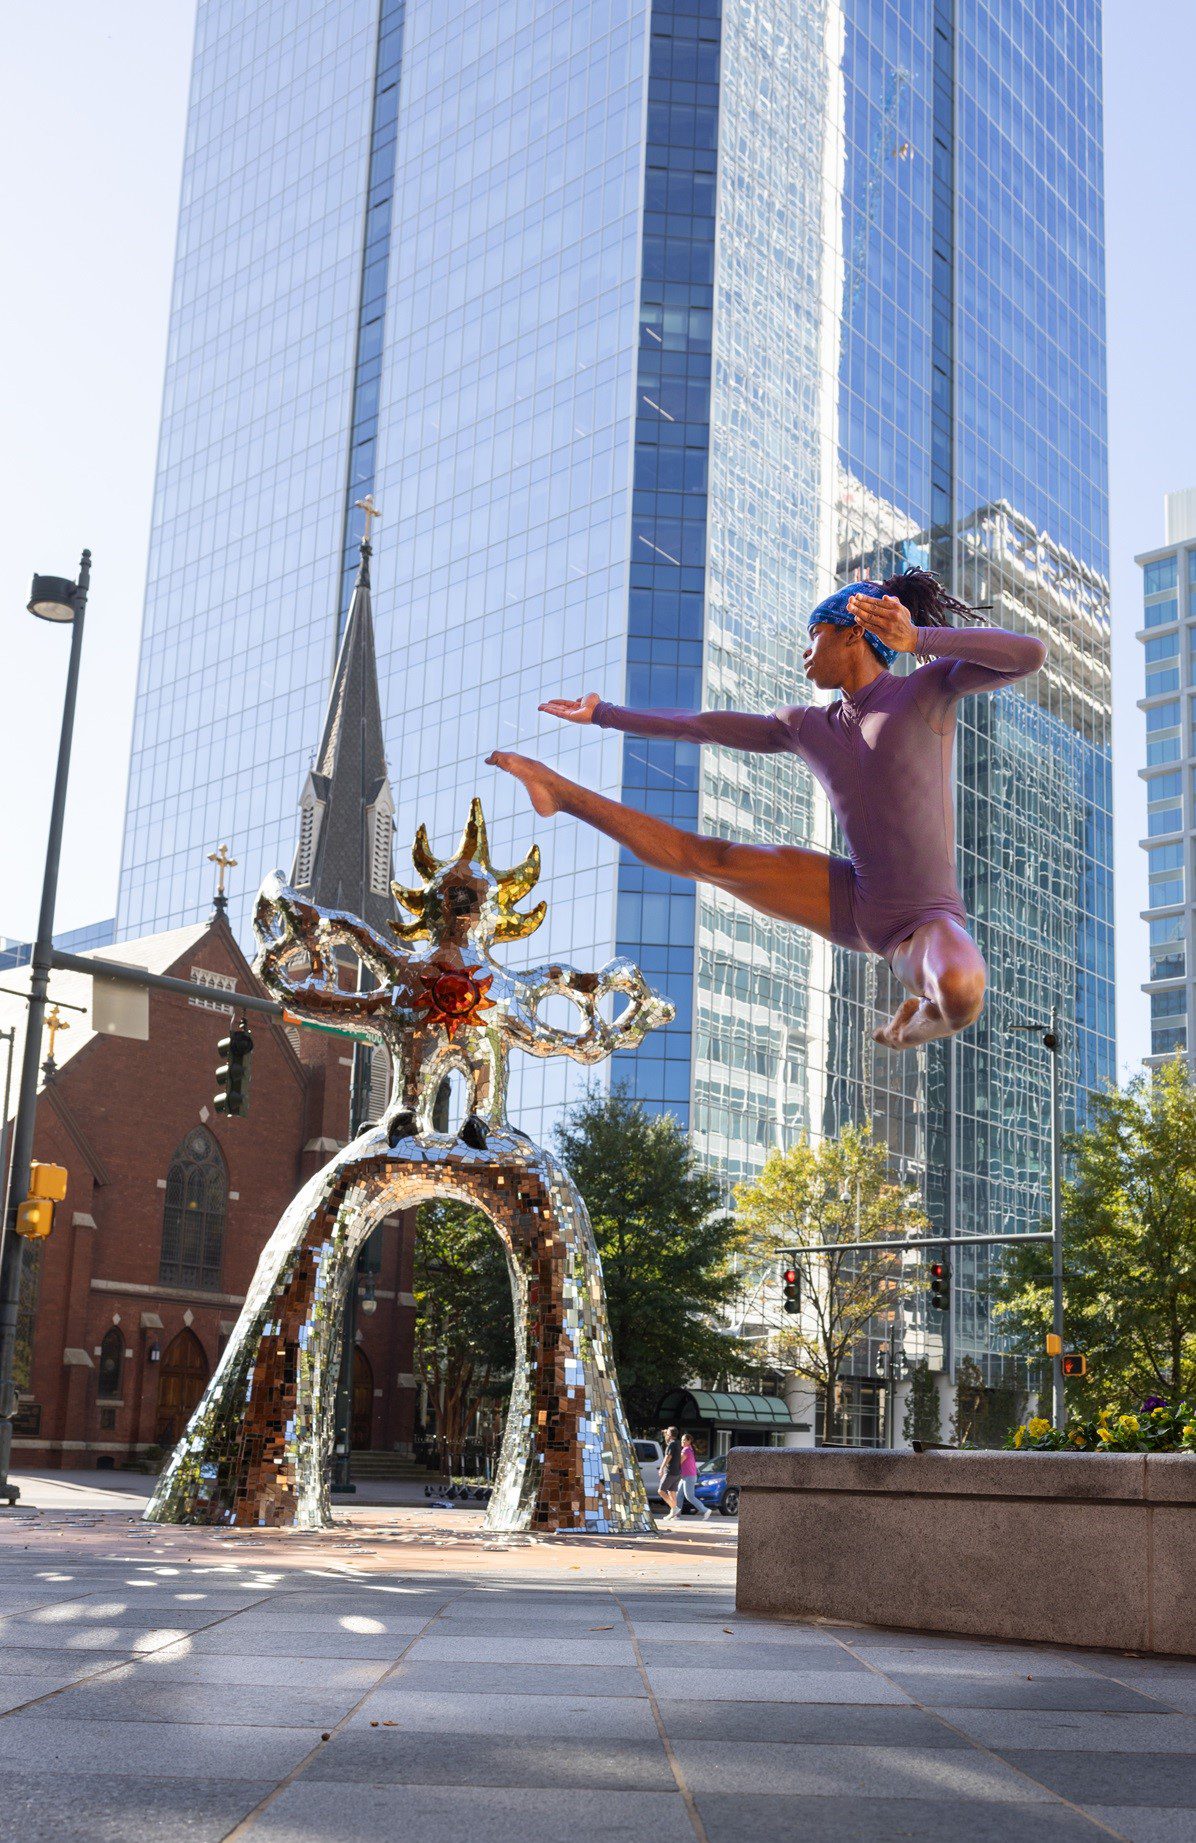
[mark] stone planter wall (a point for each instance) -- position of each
(1073, 1548)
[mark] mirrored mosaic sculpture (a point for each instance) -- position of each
(258, 1448)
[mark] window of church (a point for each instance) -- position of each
(112, 1358)
(308, 828)
(193, 1219)
(381, 832)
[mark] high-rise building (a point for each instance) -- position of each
(646, 322)
(1169, 596)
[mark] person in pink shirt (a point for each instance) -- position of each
(685, 1490)
(883, 751)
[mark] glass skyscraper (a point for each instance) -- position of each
(647, 322)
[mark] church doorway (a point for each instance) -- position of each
(362, 1433)
(182, 1379)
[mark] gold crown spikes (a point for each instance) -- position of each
(474, 847)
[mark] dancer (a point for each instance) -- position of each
(883, 752)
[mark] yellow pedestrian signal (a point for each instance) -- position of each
(1054, 1344)
(35, 1218)
(1075, 1363)
(47, 1181)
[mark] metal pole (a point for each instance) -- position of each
(1051, 1041)
(43, 948)
(10, 1037)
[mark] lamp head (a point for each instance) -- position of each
(52, 598)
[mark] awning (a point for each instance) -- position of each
(719, 1408)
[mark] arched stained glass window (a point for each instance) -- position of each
(193, 1220)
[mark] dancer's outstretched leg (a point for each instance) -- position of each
(785, 881)
(942, 966)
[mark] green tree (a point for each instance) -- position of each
(667, 1247)
(464, 1319)
(809, 1196)
(1129, 1234)
(922, 1419)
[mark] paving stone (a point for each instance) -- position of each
(182, 1664)
(310, 1809)
(697, 1685)
(1144, 1824)
(122, 1696)
(297, 1642)
(390, 1756)
(731, 1631)
(829, 1771)
(541, 1610)
(524, 1679)
(521, 1648)
(15, 1665)
(47, 1744)
(1014, 1692)
(104, 1807)
(966, 1661)
(363, 1620)
(807, 1723)
(443, 1711)
(1093, 1730)
(747, 1654)
(1113, 1778)
(895, 1820)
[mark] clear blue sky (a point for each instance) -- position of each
(91, 140)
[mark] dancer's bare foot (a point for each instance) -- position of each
(892, 1034)
(543, 786)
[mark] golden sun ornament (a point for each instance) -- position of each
(453, 995)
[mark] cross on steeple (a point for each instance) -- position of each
(367, 506)
(55, 1022)
(223, 862)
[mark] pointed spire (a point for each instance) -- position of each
(344, 856)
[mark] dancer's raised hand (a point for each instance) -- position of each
(573, 710)
(887, 618)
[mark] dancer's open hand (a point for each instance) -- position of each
(573, 710)
(887, 618)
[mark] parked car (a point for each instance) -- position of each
(650, 1453)
(712, 1490)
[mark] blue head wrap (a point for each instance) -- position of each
(834, 612)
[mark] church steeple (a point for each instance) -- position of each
(346, 823)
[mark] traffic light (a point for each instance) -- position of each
(940, 1286)
(1074, 1363)
(232, 1076)
(47, 1186)
(791, 1289)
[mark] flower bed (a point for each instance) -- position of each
(1158, 1427)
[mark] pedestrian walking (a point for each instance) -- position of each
(685, 1484)
(670, 1471)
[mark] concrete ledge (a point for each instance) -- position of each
(1071, 1548)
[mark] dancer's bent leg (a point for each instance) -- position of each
(785, 881)
(941, 965)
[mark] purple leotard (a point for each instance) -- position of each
(884, 757)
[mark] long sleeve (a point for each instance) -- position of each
(733, 729)
(971, 659)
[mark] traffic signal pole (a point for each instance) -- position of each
(1051, 1042)
(13, 1249)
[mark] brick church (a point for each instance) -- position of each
(127, 1306)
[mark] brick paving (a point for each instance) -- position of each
(404, 1676)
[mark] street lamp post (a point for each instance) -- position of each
(1049, 1035)
(53, 598)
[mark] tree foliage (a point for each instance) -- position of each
(667, 1247)
(1129, 1233)
(464, 1319)
(808, 1196)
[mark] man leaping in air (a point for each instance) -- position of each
(883, 752)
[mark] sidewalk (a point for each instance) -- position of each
(404, 1676)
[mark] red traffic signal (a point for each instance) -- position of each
(1074, 1363)
(791, 1289)
(940, 1286)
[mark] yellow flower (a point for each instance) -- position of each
(1077, 1439)
(1157, 1413)
(1190, 1430)
(1103, 1433)
(1037, 1427)
(1128, 1423)
(1019, 1436)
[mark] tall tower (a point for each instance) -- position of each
(667, 316)
(1169, 597)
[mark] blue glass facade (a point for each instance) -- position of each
(648, 321)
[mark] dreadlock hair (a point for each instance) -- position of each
(928, 603)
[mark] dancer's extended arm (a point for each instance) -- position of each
(978, 658)
(734, 729)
